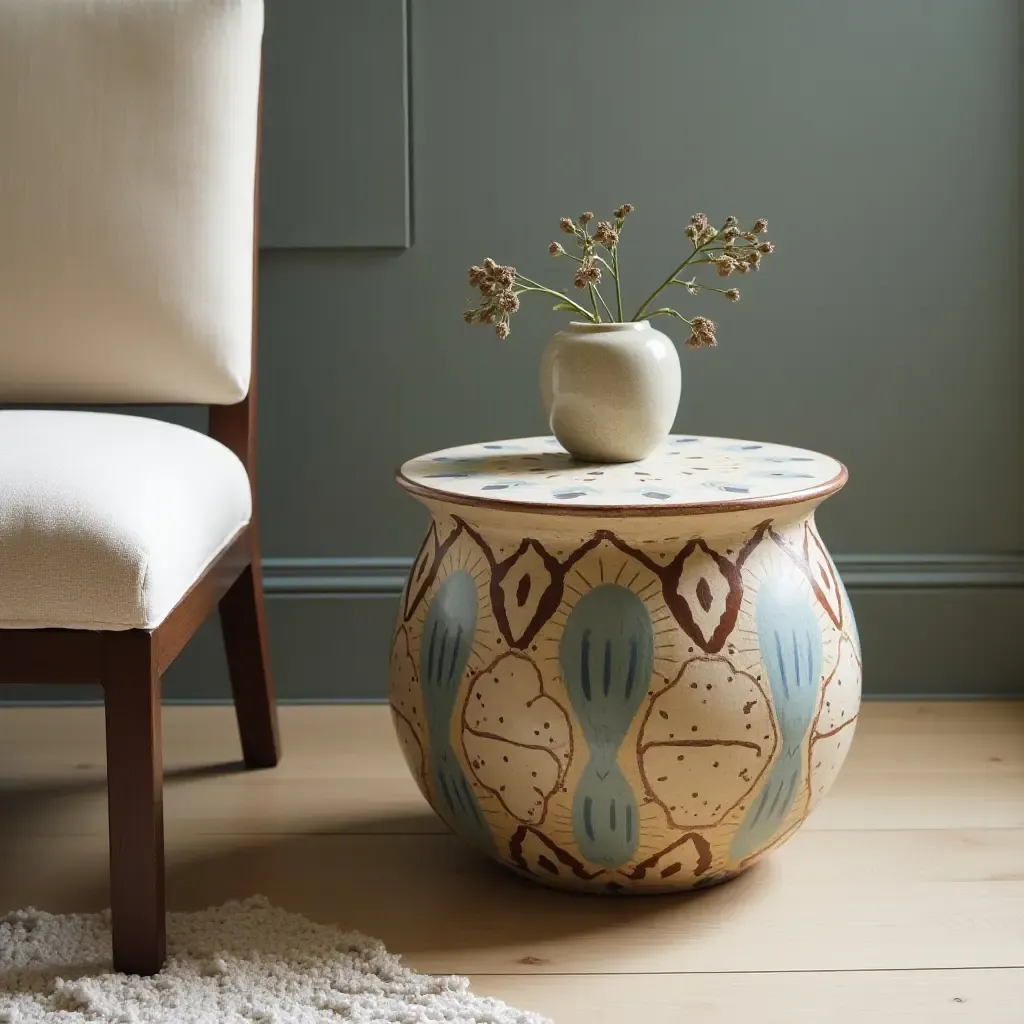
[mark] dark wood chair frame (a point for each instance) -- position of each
(129, 665)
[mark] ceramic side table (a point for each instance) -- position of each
(635, 677)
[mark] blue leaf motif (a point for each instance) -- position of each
(607, 661)
(789, 639)
(445, 647)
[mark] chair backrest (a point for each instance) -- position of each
(128, 147)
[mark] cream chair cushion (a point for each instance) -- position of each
(107, 520)
(127, 169)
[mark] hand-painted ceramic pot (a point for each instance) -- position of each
(611, 391)
(636, 677)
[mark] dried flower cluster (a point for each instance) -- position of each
(588, 273)
(702, 333)
(499, 298)
(728, 249)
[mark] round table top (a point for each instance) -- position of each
(685, 475)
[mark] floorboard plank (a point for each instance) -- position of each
(343, 773)
(826, 901)
(839, 997)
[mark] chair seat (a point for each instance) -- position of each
(107, 520)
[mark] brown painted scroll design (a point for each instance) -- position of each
(815, 734)
(425, 567)
(825, 585)
(700, 844)
(643, 747)
(562, 763)
(563, 857)
(550, 599)
(405, 702)
(671, 574)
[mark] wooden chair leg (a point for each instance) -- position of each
(135, 797)
(245, 640)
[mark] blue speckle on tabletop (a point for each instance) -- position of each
(660, 495)
(494, 487)
(566, 495)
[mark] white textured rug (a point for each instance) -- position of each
(241, 963)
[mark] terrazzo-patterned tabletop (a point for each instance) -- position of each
(685, 474)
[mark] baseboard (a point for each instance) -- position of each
(385, 576)
(934, 626)
(335, 577)
(930, 572)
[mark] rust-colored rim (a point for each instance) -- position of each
(820, 492)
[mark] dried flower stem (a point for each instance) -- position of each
(668, 280)
(596, 291)
(612, 269)
(599, 259)
(534, 287)
(693, 286)
(618, 286)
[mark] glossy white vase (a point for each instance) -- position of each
(611, 391)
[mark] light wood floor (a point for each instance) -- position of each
(902, 899)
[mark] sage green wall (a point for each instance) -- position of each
(881, 139)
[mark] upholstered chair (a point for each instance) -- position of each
(128, 154)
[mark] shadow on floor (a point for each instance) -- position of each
(421, 891)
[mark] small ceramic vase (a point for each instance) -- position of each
(611, 391)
